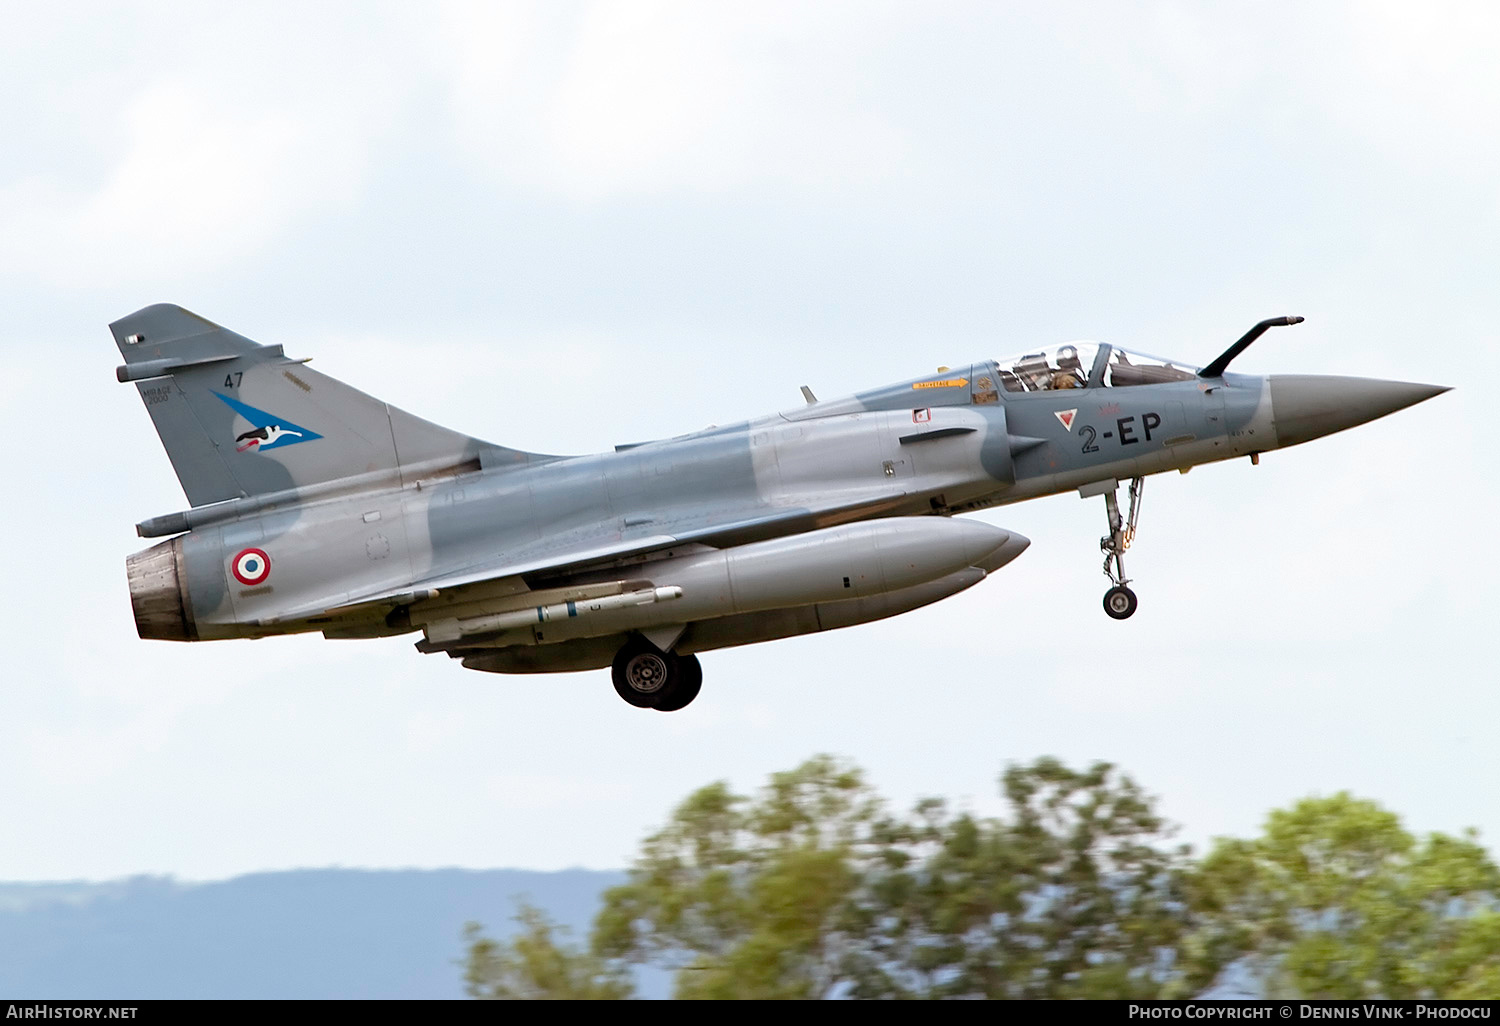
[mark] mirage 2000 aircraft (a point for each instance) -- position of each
(315, 507)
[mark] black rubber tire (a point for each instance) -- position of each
(642, 674)
(1120, 602)
(689, 681)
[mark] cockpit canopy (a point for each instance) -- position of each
(1087, 365)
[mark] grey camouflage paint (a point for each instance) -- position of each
(386, 523)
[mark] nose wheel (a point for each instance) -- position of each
(1120, 602)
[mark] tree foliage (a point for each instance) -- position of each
(751, 897)
(812, 888)
(1072, 894)
(536, 965)
(1337, 900)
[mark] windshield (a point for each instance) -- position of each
(1066, 366)
(1139, 369)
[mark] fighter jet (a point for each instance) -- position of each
(315, 507)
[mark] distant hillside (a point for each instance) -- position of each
(314, 933)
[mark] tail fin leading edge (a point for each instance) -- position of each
(240, 419)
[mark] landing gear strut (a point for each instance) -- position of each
(649, 678)
(1120, 602)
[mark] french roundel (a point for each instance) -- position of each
(251, 567)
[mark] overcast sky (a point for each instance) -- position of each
(562, 227)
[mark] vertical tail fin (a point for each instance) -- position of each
(240, 419)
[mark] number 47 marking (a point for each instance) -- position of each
(232, 380)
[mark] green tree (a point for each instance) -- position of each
(813, 889)
(537, 965)
(1337, 900)
(1073, 894)
(750, 898)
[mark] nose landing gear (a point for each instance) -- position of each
(1120, 602)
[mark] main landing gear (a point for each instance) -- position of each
(649, 678)
(1120, 602)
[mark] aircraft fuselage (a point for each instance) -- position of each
(823, 516)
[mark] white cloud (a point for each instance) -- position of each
(192, 185)
(202, 138)
(1421, 84)
(645, 98)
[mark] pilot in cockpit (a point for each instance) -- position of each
(1069, 372)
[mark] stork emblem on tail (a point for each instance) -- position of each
(264, 438)
(266, 431)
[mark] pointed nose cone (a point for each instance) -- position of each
(1308, 406)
